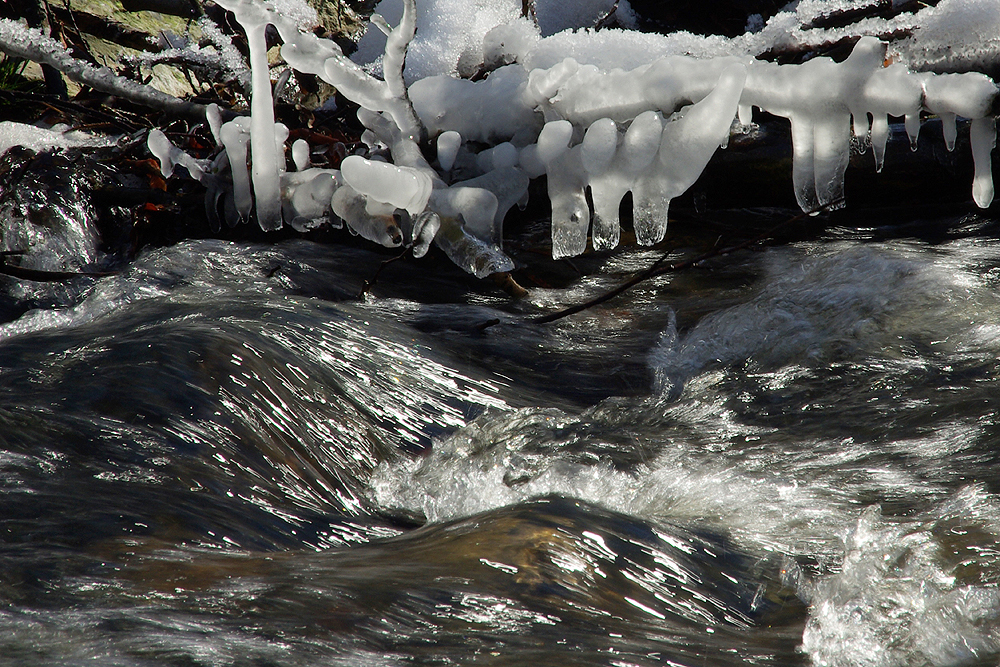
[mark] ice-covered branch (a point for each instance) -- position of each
(306, 52)
(20, 41)
(587, 123)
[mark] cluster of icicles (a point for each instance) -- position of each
(649, 131)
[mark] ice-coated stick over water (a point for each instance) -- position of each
(403, 187)
(686, 145)
(649, 129)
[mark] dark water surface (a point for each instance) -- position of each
(220, 457)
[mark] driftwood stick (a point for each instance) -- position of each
(368, 284)
(40, 276)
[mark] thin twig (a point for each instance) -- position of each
(84, 47)
(68, 106)
(368, 284)
(39, 276)
(657, 268)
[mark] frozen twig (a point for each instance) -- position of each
(20, 41)
(659, 267)
(307, 53)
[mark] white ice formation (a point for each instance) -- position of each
(591, 111)
(40, 139)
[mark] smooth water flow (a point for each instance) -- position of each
(219, 457)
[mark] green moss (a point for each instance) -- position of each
(149, 22)
(12, 75)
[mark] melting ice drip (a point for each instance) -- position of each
(649, 131)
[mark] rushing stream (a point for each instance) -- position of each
(218, 456)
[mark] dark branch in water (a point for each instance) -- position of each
(368, 284)
(658, 268)
(116, 118)
(39, 276)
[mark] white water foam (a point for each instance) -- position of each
(838, 304)
(919, 588)
(899, 601)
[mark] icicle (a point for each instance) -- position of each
(397, 42)
(169, 155)
(473, 205)
(280, 137)
(476, 256)
(597, 153)
(300, 154)
(880, 135)
(214, 118)
(498, 157)
(509, 185)
(267, 157)
(686, 146)
(371, 220)
(949, 127)
(553, 140)
(529, 162)
(264, 165)
(566, 182)
(830, 159)
(306, 197)
(642, 141)
(425, 228)
(235, 135)
(912, 123)
(889, 91)
(860, 124)
(803, 173)
(745, 113)
(983, 137)
(971, 95)
(599, 145)
(635, 153)
(570, 212)
(448, 144)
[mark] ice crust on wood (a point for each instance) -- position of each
(590, 111)
(403, 187)
(20, 41)
(453, 37)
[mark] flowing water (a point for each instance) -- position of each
(218, 456)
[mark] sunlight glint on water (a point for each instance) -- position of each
(202, 465)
